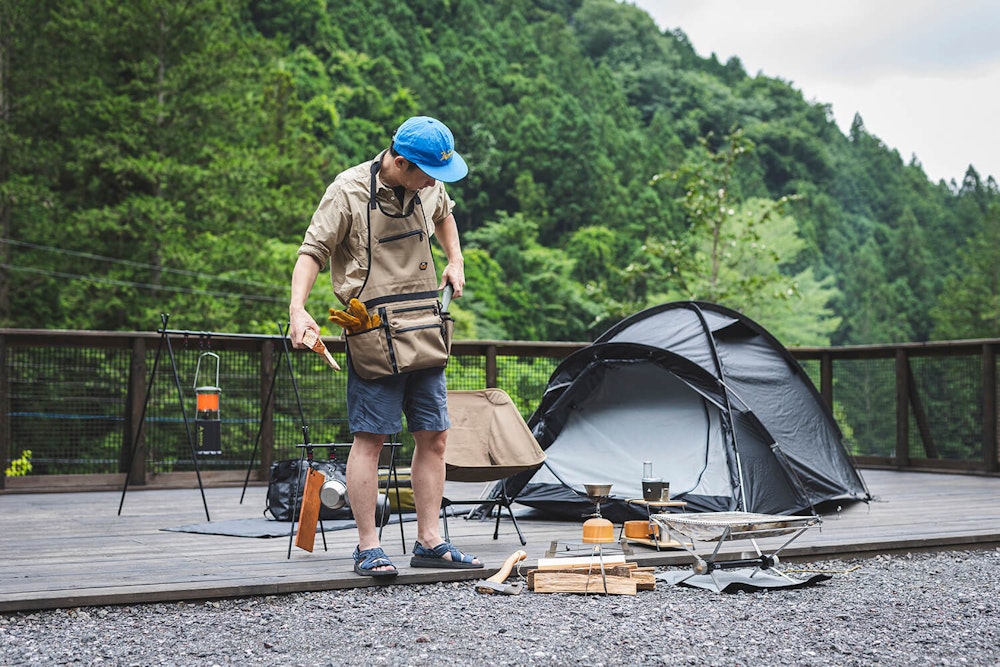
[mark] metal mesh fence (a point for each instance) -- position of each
(949, 391)
(320, 392)
(171, 414)
(67, 405)
(67, 408)
(864, 405)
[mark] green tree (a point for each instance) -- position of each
(540, 299)
(969, 305)
(738, 253)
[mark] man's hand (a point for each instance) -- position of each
(303, 277)
(453, 274)
(298, 321)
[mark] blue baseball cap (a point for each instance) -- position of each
(429, 144)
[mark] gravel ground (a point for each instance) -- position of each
(916, 609)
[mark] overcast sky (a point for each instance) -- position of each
(923, 74)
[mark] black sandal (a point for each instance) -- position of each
(434, 557)
(366, 561)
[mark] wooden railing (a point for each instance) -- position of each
(944, 401)
(89, 406)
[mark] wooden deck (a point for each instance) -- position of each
(64, 550)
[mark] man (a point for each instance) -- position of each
(373, 226)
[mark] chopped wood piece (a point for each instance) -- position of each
(581, 582)
(644, 577)
(644, 581)
(316, 344)
(579, 561)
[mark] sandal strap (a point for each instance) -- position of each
(440, 550)
(371, 558)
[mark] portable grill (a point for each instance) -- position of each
(723, 527)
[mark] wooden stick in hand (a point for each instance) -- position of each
(315, 343)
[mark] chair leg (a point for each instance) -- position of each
(514, 521)
(506, 501)
(496, 526)
(445, 504)
(391, 476)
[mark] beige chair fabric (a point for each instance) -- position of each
(488, 439)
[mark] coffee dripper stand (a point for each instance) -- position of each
(598, 535)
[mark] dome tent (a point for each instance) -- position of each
(727, 416)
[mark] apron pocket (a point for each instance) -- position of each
(413, 336)
(369, 353)
(418, 335)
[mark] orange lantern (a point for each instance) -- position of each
(207, 425)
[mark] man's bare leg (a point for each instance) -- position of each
(362, 487)
(427, 472)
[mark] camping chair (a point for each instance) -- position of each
(488, 441)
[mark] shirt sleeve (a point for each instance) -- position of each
(328, 227)
(443, 204)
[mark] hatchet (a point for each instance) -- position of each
(497, 583)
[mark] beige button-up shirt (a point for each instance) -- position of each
(338, 232)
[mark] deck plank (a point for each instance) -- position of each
(63, 550)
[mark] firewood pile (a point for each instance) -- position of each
(584, 575)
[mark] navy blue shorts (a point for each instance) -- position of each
(377, 406)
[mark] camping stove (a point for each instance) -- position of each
(597, 529)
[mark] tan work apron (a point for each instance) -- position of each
(401, 286)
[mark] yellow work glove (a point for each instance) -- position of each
(356, 308)
(350, 323)
(356, 319)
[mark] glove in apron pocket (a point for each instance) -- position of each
(414, 335)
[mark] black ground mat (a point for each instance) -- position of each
(264, 527)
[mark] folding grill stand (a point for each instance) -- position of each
(722, 527)
(165, 340)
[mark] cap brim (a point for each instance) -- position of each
(455, 170)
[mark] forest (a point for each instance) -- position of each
(164, 156)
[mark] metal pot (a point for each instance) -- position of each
(333, 494)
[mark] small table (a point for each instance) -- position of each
(654, 528)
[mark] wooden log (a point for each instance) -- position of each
(581, 582)
(644, 581)
(620, 570)
(645, 577)
(579, 561)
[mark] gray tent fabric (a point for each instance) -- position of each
(721, 408)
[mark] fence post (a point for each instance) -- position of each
(491, 366)
(135, 401)
(267, 373)
(826, 379)
(902, 409)
(989, 408)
